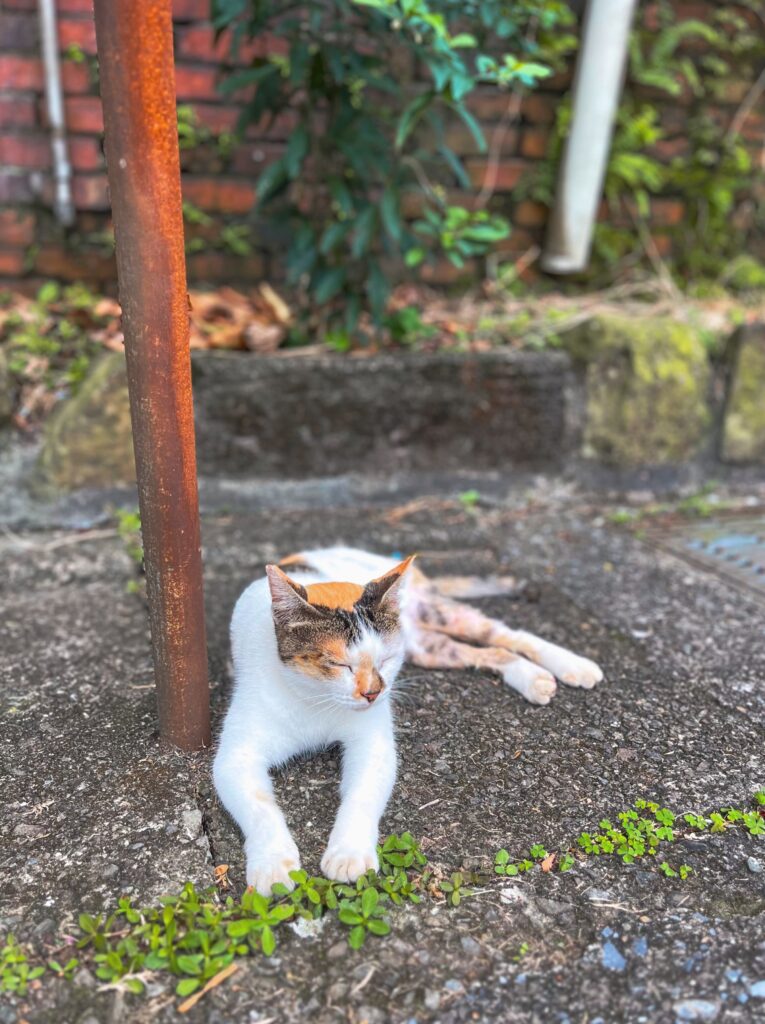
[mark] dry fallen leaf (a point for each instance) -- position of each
(548, 862)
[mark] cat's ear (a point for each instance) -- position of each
(288, 598)
(386, 589)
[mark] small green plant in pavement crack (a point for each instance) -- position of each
(640, 832)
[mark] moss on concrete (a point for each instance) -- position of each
(87, 441)
(743, 437)
(6, 399)
(647, 383)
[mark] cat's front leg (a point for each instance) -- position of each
(245, 788)
(369, 772)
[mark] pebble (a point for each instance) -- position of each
(754, 865)
(612, 958)
(696, 1009)
(432, 999)
(758, 990)
(469, 944)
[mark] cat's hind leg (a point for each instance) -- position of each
(432, 649)
(460, 620)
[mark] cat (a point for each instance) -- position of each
(315, 661)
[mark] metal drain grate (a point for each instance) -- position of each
(732, 548)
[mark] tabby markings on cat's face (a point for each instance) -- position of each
(341, 633)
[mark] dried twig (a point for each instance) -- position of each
(216, 980)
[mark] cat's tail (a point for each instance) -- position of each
(463, 588)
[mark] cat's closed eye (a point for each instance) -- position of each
(336, 664)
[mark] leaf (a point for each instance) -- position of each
(389, 213)
(378, 927)
(187, 986)
(356, 937)
(464, 39)
(267, 941)
(328, 283)
(238, 929)
(548, 862)
(369, 901)
(411, 115)
(471, 124)
(297, 150)
(348, 916)
(189, 964)
(363, 231)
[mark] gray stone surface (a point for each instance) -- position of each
(679, 718)
(319, 415)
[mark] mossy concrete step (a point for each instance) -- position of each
(743, 434)
(647, 386)
(301, 416)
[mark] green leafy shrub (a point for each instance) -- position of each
(372, 86)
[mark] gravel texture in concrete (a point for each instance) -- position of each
(94, 808)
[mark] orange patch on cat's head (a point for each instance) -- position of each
(334, 595)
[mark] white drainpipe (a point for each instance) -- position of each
(62, 170)
(597, 88)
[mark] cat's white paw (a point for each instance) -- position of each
(581, 672)
(344, 862)
(268, 865)
(534, 683)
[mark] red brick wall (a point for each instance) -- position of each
(217, 180)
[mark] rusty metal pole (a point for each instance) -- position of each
(135, 49)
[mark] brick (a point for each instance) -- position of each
(517, 242)
(20, 5)
(90, 192)
(217, 195)
(534, 143)
(668, 149)
(78, 32)
(19, 31)
(191, 10)
(217, 117)
(74, 264)
(84, 114)
(195, 83)
(30, 151)
(540, 109)
(11, 262)
(530, 214)
(75, 6)
(460, 139)
(17, 228)
(663, 243)
(444, 272)
(253, 157)
(85, 153)
(17, 111)
(216, 266)
(21, 72)
(75, 78)
(15, 187)
(197, 42)
(489, 105)
(508, 173)
(667, 212)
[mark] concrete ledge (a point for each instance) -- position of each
(306, 416)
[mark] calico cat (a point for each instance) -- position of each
(315, 661)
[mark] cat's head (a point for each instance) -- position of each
(343, 634)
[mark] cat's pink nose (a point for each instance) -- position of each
(371, 696)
